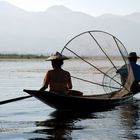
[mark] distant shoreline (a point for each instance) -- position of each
(22, 56)
(35, 56)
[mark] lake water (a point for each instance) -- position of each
(30, 119)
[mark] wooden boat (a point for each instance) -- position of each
(78, 103)
(93, 47)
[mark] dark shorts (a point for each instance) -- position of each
(135, 88)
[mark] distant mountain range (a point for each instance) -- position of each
(47, 32)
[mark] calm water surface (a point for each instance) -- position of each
(30, 119)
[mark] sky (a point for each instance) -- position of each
(91, 7)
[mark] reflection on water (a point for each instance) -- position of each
(30, 119)
(122, 123)
(61, 124)
(130, 117)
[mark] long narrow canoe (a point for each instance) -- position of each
(81, 103)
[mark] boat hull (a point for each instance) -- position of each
(86, 103)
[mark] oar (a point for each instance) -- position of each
(14, 99)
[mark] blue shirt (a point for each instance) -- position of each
(136, 70)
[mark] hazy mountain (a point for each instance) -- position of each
(47, 32)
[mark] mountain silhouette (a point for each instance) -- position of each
(47, 32)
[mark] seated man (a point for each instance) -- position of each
(57, 79)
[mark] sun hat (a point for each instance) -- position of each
(57, 56)
(133, 55)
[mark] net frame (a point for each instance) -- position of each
(123, 53)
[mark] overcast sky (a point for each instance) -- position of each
(91, 7)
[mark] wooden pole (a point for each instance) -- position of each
(14, 99)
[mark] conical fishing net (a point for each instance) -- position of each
(97, 57)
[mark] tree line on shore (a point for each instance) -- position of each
(22, 56)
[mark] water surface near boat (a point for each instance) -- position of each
(30, 119)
